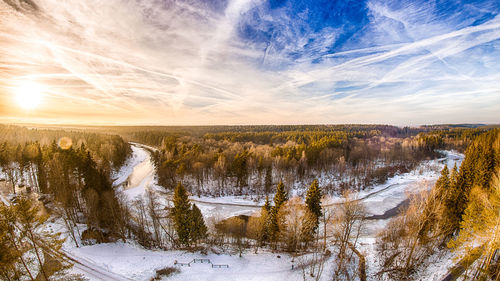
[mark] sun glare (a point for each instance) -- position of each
(29, 95)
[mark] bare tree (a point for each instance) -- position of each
(409, 238)
(256, 228)
(235, 227)
(296, 224)
(348, 222)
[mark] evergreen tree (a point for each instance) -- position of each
(478, 240)
(260, 165)
(477, 169)
(30, 224)
(446, 194)
(181, 214)
(268, 181)
(443, 183)
(198, 228)
(267, 205)
(454, 175)
(313, 201)
(265, 220)
(41, 174)
(485, 166)
(11, 254)
(279, 199)
(281, 196)
(240, 168)
(21, 229)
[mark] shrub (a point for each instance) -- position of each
(165, 272)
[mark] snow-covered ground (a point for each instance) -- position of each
(140, 264)
(138, 175)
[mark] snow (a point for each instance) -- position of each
(129, 259)
(140, 264)
(138, 156)
(438, 266)
(138, 173)
(377, 199)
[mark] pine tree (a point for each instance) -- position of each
(240, 168)
(313, 201)
(21, 232)
(268, 181)
(279, 199)
(41, 174)
(477, 169)
(479, 238)
(181, 214)
(454, 175)
(281, 196)
(485, 166)
(265, 220)
(267, 205)
(198, 228)
(446, 194)
(30, 224)
(11, 252)
(443, 183)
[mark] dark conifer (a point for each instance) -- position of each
(198, 228)
(279, 199)
(443, 183)
(268, 181)
(281, 196)
(181, 214)
(267, 205)
(313, 200)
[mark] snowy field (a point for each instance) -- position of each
(136, 263)
(139, 264)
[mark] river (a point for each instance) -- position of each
(381, 202)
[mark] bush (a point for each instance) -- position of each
(165, 272)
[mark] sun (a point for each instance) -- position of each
(29, 95)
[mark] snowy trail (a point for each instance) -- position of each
(92, 270)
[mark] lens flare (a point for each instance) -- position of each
(65, 143)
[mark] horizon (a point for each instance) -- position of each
(245, 62)
(77, 125)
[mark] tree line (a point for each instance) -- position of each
(342, 158)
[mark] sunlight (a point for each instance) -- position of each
(29, 95)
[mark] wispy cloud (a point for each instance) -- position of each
(249, 62)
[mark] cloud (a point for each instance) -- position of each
(249, 62)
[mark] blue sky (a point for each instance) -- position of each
(253, 62)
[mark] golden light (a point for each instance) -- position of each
(65, 143)
(29, 95)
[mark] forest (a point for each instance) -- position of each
(66, 175)
(220, 161)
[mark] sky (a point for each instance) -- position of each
(208, 62)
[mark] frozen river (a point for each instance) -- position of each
(138, 175)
